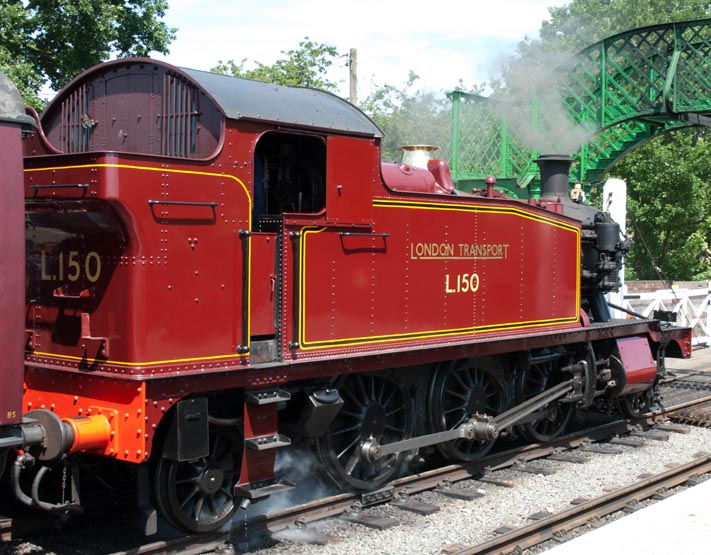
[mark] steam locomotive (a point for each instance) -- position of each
(217, 268)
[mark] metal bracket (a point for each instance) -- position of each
(376, 497)
(265, 443)
(698, 119)
(246, 491)
(267, 397)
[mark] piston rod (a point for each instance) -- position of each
(478, 427)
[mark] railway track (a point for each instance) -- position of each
(445, 480)
(585, 512)
(403, 492)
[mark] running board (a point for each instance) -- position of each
(246, 491)
(272, 441)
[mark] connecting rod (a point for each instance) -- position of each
(479, 427)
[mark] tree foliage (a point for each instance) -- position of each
(305, 66)
(408, 116)
(581, 23)
(668, 178)
(669, 203)
(48, 42)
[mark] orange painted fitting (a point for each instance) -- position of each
(90, 432)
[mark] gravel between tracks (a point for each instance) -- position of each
(457, 522)
(471, 522)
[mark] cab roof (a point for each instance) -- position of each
(245, 99)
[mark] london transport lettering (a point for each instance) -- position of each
(463, 282)
(68, 266)
(459, 251)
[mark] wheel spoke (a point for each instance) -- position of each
(348, 447)
(394, 411)
(189, 498)
(352, 462)
(197, 509)
(462, 419)
(387, 401)
(459, 390)
(459, 379)
(374, 405)
(459, 408)
(457, 394)
(346, 430)
(213, 504)
(188, 494)
(360, 386)
(350, 395)
(398, 429)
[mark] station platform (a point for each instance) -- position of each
(678, 524)
(700, 361)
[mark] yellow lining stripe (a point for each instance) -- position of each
(381, 203)
(132, 364)
(433, 334)
(249, 264)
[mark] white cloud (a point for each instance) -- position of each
(441, 41)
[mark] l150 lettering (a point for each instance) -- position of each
(461, 283)
(62, 265)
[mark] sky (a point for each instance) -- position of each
(441, 41)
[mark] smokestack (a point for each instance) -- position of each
(554, 175)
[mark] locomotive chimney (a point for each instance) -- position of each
(554, 175)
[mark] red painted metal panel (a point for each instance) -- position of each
(172, 297)
(639, 364)
(138, 108)
(12, 277)
(262, 283)
(432, 270)
(122, 402)
(351, 170)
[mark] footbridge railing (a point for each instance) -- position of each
(622, 91)
(691, 306)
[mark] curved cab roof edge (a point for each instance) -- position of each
(12, 109)
(245, 99)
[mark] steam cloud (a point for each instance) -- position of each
(301, 535)
(299, 466)
(550, 129)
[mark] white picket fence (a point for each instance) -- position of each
(692, 307)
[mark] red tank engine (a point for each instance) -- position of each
(217, 267)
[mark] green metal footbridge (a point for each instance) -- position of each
(622, 90)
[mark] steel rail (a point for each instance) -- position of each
(185, 545)
(333, 506)
(565, 521)
(321, 509)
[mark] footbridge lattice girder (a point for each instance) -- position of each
(622, 91)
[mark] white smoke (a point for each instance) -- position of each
(533, 108)
(301, 535)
